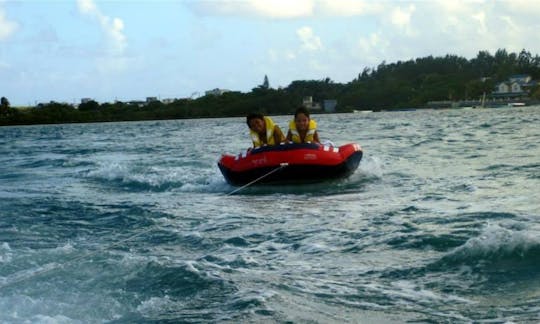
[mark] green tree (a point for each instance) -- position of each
(400, 84)
(266, 83)
(4, 106)
(90, 105)
(524, 61)
(535, 92)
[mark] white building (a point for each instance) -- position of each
(215, 92)
(310, 104)
(515, 86)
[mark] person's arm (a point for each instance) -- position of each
(289, 136)
(316, 137)
(278, 135)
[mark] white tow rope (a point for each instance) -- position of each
(281, 166)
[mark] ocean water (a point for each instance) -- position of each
(132, 223)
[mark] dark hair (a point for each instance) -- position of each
(253, 116)
(301, 110)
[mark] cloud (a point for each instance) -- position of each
(393, 29)
(461, 27)
(277, 9)
(4, 65)
(526, 7)
(7, 28)
(112, 27)
(373, 48)
(402, 17)
(347, 8)
(310, 42)
(286, 9)
(283, 8)
(481, 19)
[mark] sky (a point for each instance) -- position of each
(66, 50)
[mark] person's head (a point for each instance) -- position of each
(255, 122)
(301, 118)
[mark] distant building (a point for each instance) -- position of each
(516, 86)
(307, 102)
(310, 104)
(151, 99)
(86, 100)
(216, 92)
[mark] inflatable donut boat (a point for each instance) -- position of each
(290, 164)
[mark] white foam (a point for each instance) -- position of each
(5, 253)
(58, 319)
(27, 274)
(68, 247)
(405, 289)
(371, 165)
(184, 178)
(312, 248)
(498, 238)
(211, 182)
(190, 266)
(109, 171)
(155, 307)
(57, 307)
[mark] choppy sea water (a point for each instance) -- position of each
(132, 222)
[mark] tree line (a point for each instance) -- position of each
(403, 84)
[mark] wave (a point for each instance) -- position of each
(471, 218)
(192, 291)
(506, 249)
(127, 177)
(371, 167)
(6, 253)
(182, 280)
(442, 242)
(499, 248)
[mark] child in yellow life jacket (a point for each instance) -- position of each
(263, 130)
(302, 129)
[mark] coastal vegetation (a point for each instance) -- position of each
(398, 85)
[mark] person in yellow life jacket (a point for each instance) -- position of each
(302, 129)
(263, 130)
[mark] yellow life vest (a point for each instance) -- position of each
(312, 127)
(269, 134)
